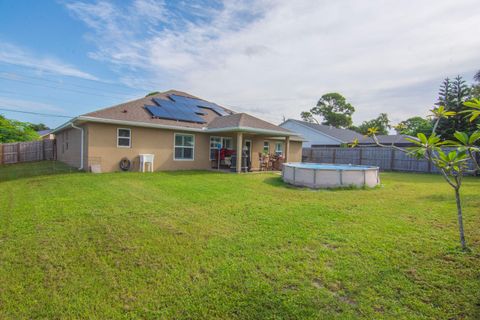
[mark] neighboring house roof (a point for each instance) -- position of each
(396, 139)
(134, 113)
(42, 133)
(342, 135)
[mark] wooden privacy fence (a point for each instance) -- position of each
(386, 159)
(27, 151)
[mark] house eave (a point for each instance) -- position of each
(80, 119)
(253, 130)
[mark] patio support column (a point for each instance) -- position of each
(287, 148)
(239, 151)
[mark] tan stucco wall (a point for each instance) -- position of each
(103, 150)
(68, 147)
(295, 153)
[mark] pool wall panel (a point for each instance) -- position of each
(330, 178)
(327, 178)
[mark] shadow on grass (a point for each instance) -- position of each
(450, 197)
(278, 182)
(24, 170)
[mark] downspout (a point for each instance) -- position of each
(81, 145)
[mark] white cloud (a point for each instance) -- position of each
(274, 58)
(15, 55)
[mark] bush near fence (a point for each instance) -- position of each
(386, 159)
(27, 151)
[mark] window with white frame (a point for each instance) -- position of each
(227, 143)
(279, 148)
(184, 146)
(266, 147)
(219, 143)
(124, 138)
(215, 144)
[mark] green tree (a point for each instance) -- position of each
(413, 126)
(382, 123)
(476, 86)
(452, 164)
(152, 93)
(452, 95)
(333, 109)
(39, 126)
(16, 131)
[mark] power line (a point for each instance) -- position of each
(64, 89)
(28, 95)
(85, 79)
(22, 75)
(4, 108)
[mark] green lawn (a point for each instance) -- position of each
(31, 169)
(200, 245)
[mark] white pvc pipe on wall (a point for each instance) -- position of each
(81, 145)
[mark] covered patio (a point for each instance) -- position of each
(251, 138)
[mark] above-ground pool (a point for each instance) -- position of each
(324, 175)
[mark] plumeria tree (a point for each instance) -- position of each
(453, 164)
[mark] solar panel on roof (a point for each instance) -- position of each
(188, 103)
(159, 112)
(199, 103)
(169, 110)
(183, 108)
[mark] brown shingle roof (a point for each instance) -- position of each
(243, 120)
(134, 111)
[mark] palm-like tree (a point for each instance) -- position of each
(477, 76)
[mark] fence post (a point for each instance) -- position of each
(360, 155)
(43, 149)
(392, 160)
(1, 153)
(18, 152)
(54, 152)
(334, 155)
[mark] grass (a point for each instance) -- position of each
(32, 169)
(197, 245)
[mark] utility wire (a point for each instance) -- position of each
(4, 108)
(85, 79)
(11, 75)
(65, 89)
(35, 96)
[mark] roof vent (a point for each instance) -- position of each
(124, 111)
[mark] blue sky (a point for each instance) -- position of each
(269, 58)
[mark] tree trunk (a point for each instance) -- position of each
(460, 219)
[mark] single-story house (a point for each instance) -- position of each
(183, 132)
(46, 134)
(320, 135)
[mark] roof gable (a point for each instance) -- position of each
(243, 120)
